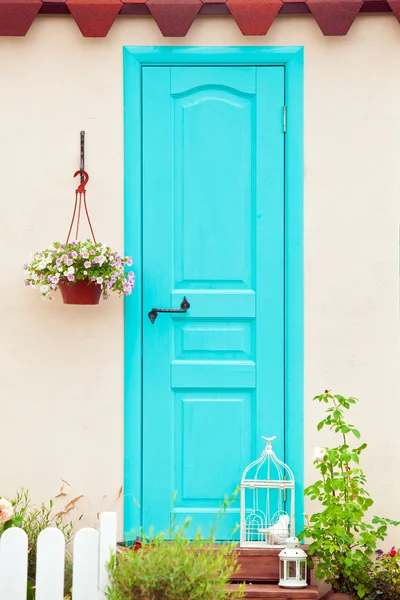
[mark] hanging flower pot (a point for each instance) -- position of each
(83, 270)
(80, 292)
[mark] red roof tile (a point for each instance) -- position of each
(335, 17)
(254, 17)
(16, 16)
(175, 17)
(395, 6)
(94, 17)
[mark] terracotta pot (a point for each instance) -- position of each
(130, 545)
(80, 292)
(335, 596)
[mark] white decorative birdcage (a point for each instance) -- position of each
(266, 502)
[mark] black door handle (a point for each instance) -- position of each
(154, 311)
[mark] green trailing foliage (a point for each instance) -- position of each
(173, 567)
(343, 539)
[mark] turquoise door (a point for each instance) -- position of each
(213, 232)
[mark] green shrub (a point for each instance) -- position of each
(33, 520)
(178, 569)
(173, 567)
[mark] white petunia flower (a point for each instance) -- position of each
(71, 270)
(44, 289)
(318, 454)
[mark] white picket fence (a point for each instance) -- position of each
(91, 552)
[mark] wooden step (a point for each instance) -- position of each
(269, 590)
(257, 565)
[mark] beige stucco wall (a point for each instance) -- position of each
(62, 367)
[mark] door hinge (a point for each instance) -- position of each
(284, 119)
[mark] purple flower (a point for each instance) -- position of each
(129, 261)
(64, 257)
(85, 254)
(74, 254)
(87, 264)
(99, 280)
(58, 262)
(93, 279)
(74, 243)
(131, 276)
(128, 287)
(69, 261)
(109, 284)
(27, 282)
(96, 259)
(70, 277)
(26, 266)
(93, 252)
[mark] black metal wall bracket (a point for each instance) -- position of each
(154, 311)
(82, 155)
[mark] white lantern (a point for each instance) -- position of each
(292, 565)
(266, 502)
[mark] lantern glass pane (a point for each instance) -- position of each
(292, 569)
(282, 569)
(303, 570)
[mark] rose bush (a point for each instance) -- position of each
(342, 536)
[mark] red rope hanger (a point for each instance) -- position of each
(80, 194)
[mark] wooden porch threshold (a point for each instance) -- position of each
(269, 590)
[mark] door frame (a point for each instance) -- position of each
(135, 58)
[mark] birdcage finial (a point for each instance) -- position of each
(268, 447)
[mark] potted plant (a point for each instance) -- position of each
(342, 539)
(83, 270)
(385, 577)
